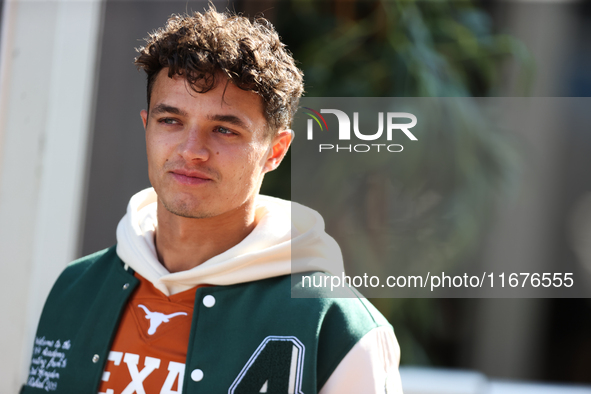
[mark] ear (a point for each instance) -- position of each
(278, 149)
(144, 115)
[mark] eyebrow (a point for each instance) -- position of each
(165, 108)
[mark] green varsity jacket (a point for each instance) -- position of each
(255, 333)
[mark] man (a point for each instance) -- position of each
(196, 296)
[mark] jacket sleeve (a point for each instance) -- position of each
(371, 366)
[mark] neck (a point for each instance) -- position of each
(184, 243)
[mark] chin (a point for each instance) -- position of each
(189, 213)
(186, 210)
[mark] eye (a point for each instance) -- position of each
(169, 121)
(223, 130)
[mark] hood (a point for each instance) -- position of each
(289, 238)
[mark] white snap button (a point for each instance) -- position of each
(197, 375)
(125, 286)
(209, 301)
(95, 358)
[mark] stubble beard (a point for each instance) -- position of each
(183, 209)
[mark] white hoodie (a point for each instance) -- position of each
(289, 238)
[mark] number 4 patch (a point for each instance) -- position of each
(276, 366)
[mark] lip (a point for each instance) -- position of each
(187, 177)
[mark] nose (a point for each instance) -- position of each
(194, 147)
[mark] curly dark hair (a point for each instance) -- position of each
(249, 53)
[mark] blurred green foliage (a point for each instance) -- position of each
(396, 48)
(408, 48)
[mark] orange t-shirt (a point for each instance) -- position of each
(149, 350)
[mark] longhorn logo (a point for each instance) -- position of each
(157, 318)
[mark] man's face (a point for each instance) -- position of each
(207, 152)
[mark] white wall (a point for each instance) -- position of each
(48, 61)
(417, 380)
